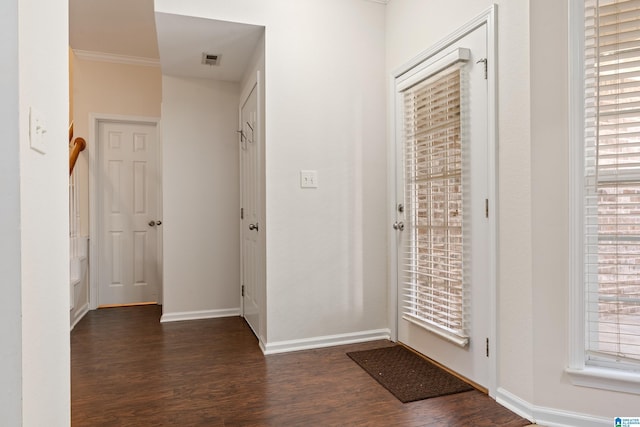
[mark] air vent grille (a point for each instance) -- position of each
(209, 59)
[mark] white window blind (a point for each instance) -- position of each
(432, 262)
(612, 183)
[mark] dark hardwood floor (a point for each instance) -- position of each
(127, 369)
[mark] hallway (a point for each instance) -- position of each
(127, 369)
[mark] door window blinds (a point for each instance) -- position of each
(431, 269)
(612, 182)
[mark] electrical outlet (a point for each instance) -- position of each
(308, 179)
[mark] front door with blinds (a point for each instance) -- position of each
(442, 207)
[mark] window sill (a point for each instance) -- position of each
(606, 379)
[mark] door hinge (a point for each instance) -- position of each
(241, 213)
(242, 290)
(487, 347)
(486, 208)
(486, 71)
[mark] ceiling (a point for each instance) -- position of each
(117, 27)
(183, 39)
(128, 28)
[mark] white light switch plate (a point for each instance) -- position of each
(308, 179)
(37, 131)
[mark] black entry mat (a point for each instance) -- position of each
(406, 375)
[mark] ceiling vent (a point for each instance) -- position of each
(209, 59)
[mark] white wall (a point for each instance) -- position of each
(10, 271)
(44, 217)
(325, 110)
(200, 196)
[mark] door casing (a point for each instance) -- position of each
(95, 191)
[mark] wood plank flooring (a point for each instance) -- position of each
(127, 369)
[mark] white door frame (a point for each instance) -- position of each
(94, 190)
(488, 18)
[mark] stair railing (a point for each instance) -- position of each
(79, 144)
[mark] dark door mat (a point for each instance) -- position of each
(406, 375)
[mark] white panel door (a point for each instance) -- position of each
(250, 226)
(470, 359)
(128, 175)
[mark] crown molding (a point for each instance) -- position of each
(379, 1)
(118, 59)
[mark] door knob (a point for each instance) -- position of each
(253, 226)
(152, 223)
(158, 222)
(398, 225)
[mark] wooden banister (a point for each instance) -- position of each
(70, 132)
(79, 144)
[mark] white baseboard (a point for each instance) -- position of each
(197, 315)
(79, 315)
(262, 346)
(548, 417)
(324, 341)
(514, 403)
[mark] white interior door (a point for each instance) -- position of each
(128, 206)
(250, 226)
(425, 275)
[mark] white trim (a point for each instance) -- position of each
(82, 311)
(198, 315)
(514, 403)
(548, 416)
(77, 270)
(449, 336)
(324, 341)
(489, 18)
(247, 89)
(576, 168)
(379, 1)
(394, 194)
(556, 418)
(94, 121)
(433, 66)
(88, 55)
(604, 378)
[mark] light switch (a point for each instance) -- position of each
(308, 179)
(37, 131)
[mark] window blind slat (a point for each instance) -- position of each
(608, 24)
(612, 8)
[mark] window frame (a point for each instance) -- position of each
(579, 372)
